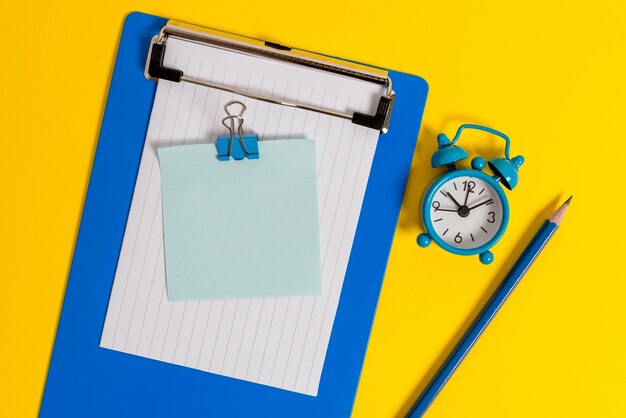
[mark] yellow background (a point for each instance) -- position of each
(550, 74)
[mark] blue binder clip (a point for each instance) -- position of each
(247, 146)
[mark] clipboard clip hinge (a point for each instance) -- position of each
(380, 120)
(156, 69)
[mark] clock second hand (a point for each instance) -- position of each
(484, 202)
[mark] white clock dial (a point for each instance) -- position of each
(466, 212)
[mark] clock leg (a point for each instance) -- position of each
(486, 257)
(423, 240)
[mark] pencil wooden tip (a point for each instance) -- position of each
(557, 216)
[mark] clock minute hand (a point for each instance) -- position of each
(453, 199)
(484, 202)
(467, 196)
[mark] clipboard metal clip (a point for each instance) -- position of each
(247, 146)
(155, 69)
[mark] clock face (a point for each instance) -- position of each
(466, 212)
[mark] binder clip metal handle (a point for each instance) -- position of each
(247, 145)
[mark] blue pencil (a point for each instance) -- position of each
(485, 316)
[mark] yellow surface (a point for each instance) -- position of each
(550, 74)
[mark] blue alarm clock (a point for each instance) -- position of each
(465, 211)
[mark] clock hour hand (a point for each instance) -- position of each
(453, 199)
(484, 202)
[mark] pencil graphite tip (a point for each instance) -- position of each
(567, 202)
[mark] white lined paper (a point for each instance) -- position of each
(280, 342)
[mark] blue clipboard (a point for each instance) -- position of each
(85, 380)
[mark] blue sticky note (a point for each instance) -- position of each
(237, 229)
